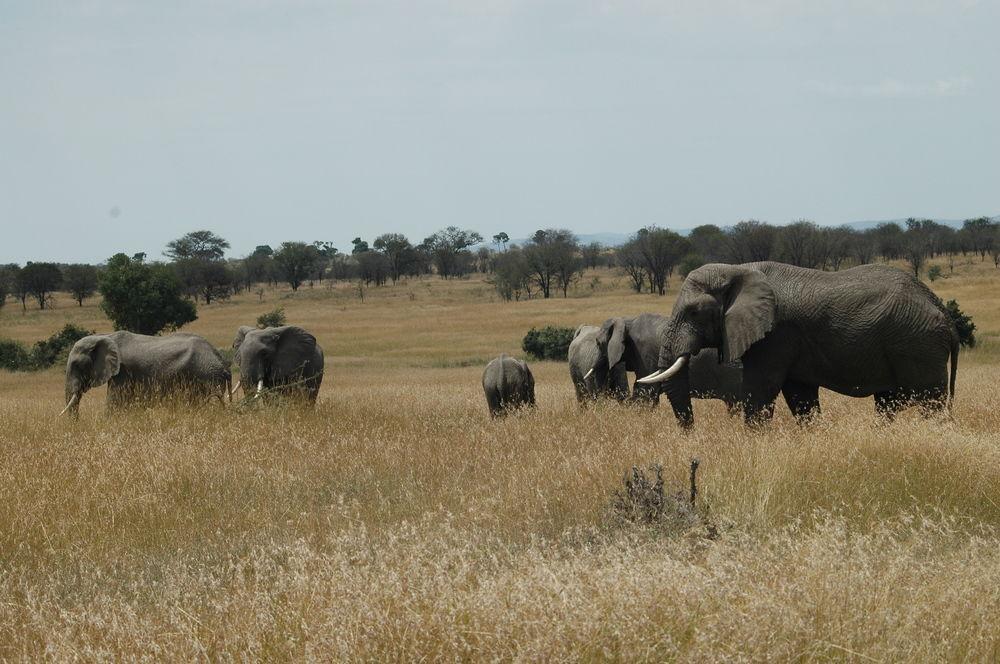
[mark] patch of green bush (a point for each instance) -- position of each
(273, 318)
(548, 343)
(963, 324)
(14, 356)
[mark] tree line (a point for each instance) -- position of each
(549, 263)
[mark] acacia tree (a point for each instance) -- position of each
(198, 260)
(661, 250)
(511, 274)
(553, 255)
(81, 281)
(449, 249)
(629, 259)
(398, 253)
(295, 260)
(41, 280)
(751, 241)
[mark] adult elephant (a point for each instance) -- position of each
(868, 330)
(508, 385)
(286, 360)
(138, 367)
(633, 344)
(589, 370)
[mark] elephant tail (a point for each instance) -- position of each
(954, 372)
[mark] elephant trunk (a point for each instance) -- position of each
(74, 392)
(678, 391)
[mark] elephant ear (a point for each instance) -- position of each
(749, 313)
(238, 341)
(295, 348)
(105, 361)
(613, 335)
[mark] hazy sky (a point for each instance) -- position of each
(124, 124)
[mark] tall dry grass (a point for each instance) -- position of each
(396, 521)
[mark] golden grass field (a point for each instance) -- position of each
(396, 521)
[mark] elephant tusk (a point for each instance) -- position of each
(72, 401)
(235, 387)
(589, 374)
(664, 375)
(260, 385)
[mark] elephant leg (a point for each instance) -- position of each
(932, 401)
(758, 405)
(802, 400)
(887, 404)
(646, 395)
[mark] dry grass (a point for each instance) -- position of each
(397, 521)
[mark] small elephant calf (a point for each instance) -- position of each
(508, 385)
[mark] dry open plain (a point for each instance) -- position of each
(397, 522)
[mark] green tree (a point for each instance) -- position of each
(41, 280)
(142, 298)
(202, 245)
(80, 281)
(449, 249)
(398, 253)
(500, 240)
(553, 257)
(295, 261)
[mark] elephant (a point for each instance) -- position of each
(508, 385)
(138, 367)
(868, 330)
(633, 344)
(285, 359)
(588, 368)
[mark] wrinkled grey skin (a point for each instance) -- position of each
(633, 344)
(869, 330)
(586, 357)
(138, 367)
(287, 359)
(508, 385)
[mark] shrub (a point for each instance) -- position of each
(14, 356)
(548, 343)
(273, 318)
(934, 273)
(963, 324)
(143, 298)
(690, 263)
(46, 353)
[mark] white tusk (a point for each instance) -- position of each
(662, 376)
(260, 385)
(71, 402)
(236, 387)
(589, 374)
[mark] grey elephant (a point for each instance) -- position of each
(633, 344)
(869, 330)
(138, 367)
(508, 385)
(589, 370)
(285, 360)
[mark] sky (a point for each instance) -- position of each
(125, 124)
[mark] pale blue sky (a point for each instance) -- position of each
(125, 124)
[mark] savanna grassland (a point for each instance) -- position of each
(396, 521)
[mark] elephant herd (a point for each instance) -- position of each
(870, 330)
(867, 331)
(283, 360)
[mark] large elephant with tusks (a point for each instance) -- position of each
(871, 330)
(142, 368)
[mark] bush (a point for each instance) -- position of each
(14, 356)
(46, 353)
(141, 298)
(963, 324)
(690, 263)
(934, 273)
(273, 318)
(548, 343)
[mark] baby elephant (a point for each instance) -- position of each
(508, 385)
